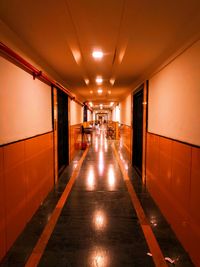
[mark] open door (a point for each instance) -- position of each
(137, 129)
(63, 134)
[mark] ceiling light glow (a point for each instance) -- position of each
(112, 81)
(109, 92)
(99, 80)
(91, 92)
(87, 81)
(97, 54)
(99, 91)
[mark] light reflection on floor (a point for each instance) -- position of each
(99, 219)
(111, 177)
(90, 182)
(99, 257)
(101, 162)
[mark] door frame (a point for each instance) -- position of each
(55, 132)
(143, 87)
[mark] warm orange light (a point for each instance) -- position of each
(77, 55)
(111, 177)
(112, 81)
(109, 92)
(99, 257)
(99, 220)
(99, 80)
(91, 92)
(99, 91)
(153, 220)
(97, 54)
(106, 145)
(101, 162)
(87, 81)
(90, 179)
(96, 143)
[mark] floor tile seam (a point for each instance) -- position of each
(147, 230)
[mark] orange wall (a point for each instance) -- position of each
(74, 139)
(125, 138)
(26, 177)
(173, 179)
(2, 209)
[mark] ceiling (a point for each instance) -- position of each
(136, 36)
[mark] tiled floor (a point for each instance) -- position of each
(98, 226)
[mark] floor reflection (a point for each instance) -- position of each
(99, 220)
(90, 182)
(111, 177)
(96, 143)
(101, 162)
(153, 220)
(99, 258)
(106, 145)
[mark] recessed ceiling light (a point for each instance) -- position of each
(111, 103)
(101, 107)
(87, 81)
(99, 80)
(99, 91)
(97, 54)
(91, 92)
(109, 92)
(112, 81)
(90, 103)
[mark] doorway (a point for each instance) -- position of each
(63, 134)
(137, 129)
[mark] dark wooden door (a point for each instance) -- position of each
(137, 129)
(63, 143)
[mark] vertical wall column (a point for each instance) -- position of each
(55, 135)
(144, 132)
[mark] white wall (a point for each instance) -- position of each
(25, 104)
(125, 111)
(116, 114)
(174, 98)
(76, 113)
(89, 115)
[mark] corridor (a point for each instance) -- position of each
(130, 70)
(98, 225)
